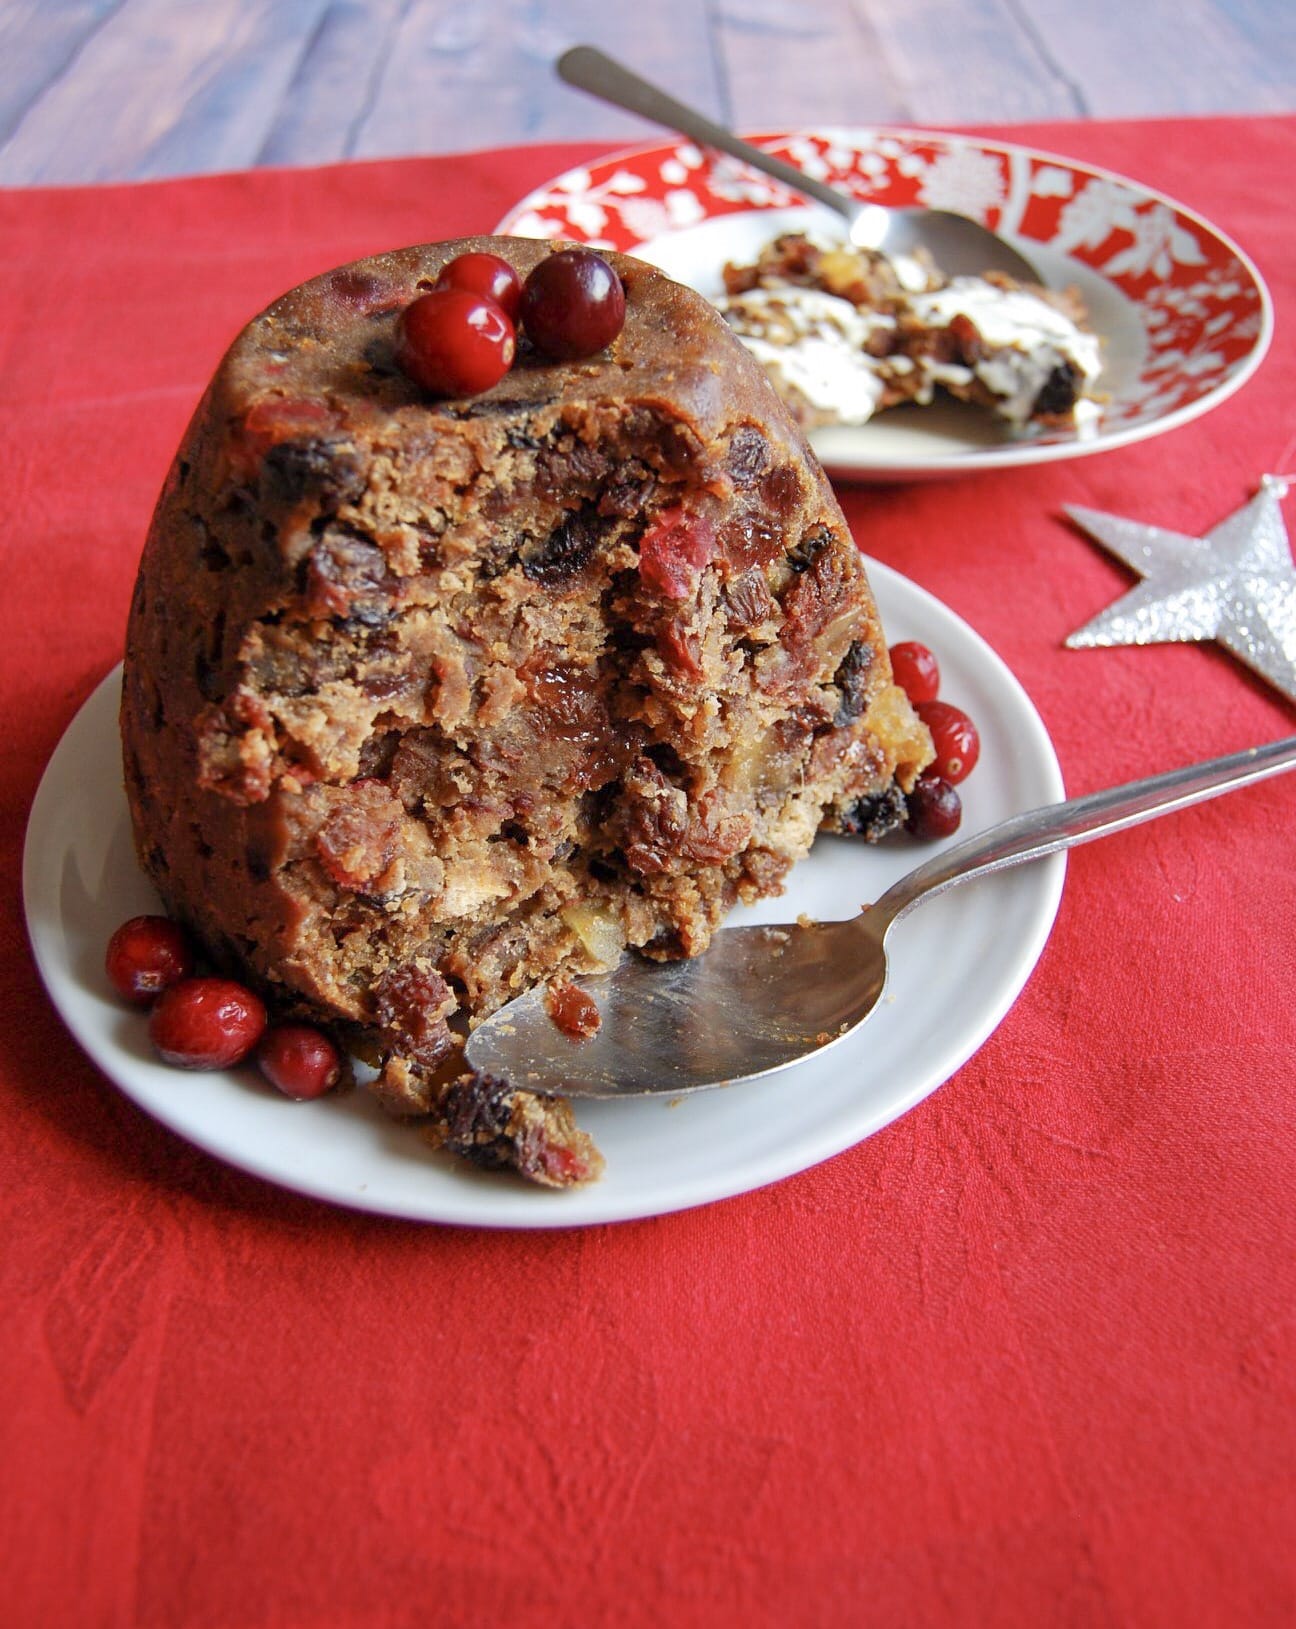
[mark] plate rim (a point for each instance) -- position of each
(550, 1211)
(1009, 456)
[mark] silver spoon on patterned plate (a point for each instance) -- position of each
(763, 998)
(958, 245)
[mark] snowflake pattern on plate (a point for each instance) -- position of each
(1202, 307)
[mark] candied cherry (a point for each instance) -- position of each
(145, 956)
(916, 670)
(454, 342)
(206, 1023)
(955, 737)
(935, 808)
(485, 274)
(673, 550)
(299, 1060)
(573, 304)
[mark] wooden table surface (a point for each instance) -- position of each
(100, 90)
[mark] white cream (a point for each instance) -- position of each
(1028, 338)
(815, 344)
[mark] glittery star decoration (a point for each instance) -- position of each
(1236, 585)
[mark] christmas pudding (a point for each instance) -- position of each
(429, 698)
(845, 333)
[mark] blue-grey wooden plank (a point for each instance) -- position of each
(117, 89)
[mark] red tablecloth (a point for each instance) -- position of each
(1024, 1358)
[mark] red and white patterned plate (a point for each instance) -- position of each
(1184, 315)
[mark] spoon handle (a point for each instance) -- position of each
(590, 70)
(1060, 826)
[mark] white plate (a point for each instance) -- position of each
(959, 963)
(1184, 316)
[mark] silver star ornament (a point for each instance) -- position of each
(1236, 585)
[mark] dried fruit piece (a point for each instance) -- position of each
(673, 551)
(573, 1010)
(599, 931)
(495, 1125)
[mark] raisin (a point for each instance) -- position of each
(872, 818)
(357, 842)
(781, 489)
(629, 492)
(798, 259)
(486, 1121)
(748, 600)
(713, 834)
(1058, 394)
(326, 469)
(749, 539)
(807, 551)
(258, 863)
(475, 1111)
(748, 456)
(572, 1010)
(569, 469)
(564, 554)
(379, 356)
(412, 1005)
(653, 820)
(851, 679)
(347, 576)
(812, 603)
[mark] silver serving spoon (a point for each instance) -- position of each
(959, 246)
(762, 998)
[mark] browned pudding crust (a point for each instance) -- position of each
(429, 700)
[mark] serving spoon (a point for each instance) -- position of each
(958, 245)
(762, 998)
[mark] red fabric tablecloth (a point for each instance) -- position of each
(1024, 1358)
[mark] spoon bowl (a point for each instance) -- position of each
(762, 998)
(958, 245)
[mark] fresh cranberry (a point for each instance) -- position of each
(916, 670)
(299, 1060)
(935, 808)
(573, 304)
(672, 552)
(485, 274)
(145, 956)
(455, 343)
(954, 735)
(206, 1023)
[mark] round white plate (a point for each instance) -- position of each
(959, 963)
(1184, 316)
